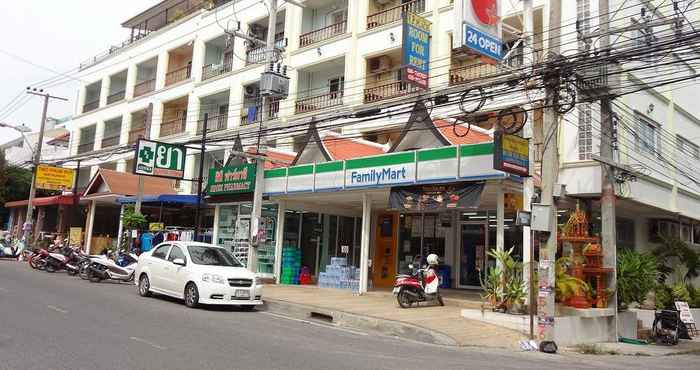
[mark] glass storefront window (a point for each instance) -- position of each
(234, 233)
(419, 235)
(513, 236)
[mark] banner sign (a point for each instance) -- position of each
(155, 158)
(685, 314)
(54, 178)
(416, 49)
(483, 43)
(231, 179)
(156, 226)
(511, 154)
(436, 197)
(75, 236)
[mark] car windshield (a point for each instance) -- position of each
(202, 255)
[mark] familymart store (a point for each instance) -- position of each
(380, 213)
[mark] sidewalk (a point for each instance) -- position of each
(627, 349)
(378, 311)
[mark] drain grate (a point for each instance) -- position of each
(321, 316)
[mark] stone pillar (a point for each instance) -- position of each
(235, 103)
(198, 52)
(81, 99)
(364, 244)
(156, 119)
(187, 186)
(279, 240)
(126, 127)
(99, 134)
(162, 69)
(500, 215)
(193, 116)
(89, 224)
(130, 81)
(104, 90)
(121, 166)
(354, 64)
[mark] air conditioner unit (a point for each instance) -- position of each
(380, 64)
(251, 91)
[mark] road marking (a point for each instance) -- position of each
(56, 309)
(147, 342)
(315, 323)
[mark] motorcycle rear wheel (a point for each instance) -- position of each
(83, 271)
(404, 298)
(50, 268)
(93, 277)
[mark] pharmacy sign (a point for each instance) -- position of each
(155, 158)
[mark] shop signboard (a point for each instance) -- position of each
(231, 179)
(54, 178)
(436, 197)
(301, 178)
(482, 43)
(437, 164)
(275, 181)
(155, 158)
(329, 176)
(482, 18)
(511, 154)
(388, 169)
(476, 162)
(416, 49)
(685, 315)
(156, 226)
(75, 236)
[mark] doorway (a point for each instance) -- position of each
(472, 254)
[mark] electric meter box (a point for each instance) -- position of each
(541, 215)
(274, 85)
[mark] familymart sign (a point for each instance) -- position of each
(155, 158)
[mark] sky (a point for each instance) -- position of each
(50, 37)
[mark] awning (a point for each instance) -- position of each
(163, 198)
(43, 201)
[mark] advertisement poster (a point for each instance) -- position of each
(436, 197)
(416, 49)
(54, 178)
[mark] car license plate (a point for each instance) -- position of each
(242, 294)
(396, 290)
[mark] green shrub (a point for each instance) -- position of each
(636, 276)
(664, 297)
(694, 297)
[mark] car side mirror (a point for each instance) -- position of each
(179, 261)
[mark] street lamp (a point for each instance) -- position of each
(19, 128)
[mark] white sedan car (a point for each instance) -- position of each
(199, 273)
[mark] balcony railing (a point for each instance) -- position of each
(314, 103)
(117, 96)
(256, 55)
(144, 87)
(110, 141)
(394, 14)
(388, 91)
(274, 112)
(173, 127)
(213, 70)
(473, 72)
(91, 106)
(178, 75)
(215, 123)
(86, 147)
(324, 33)
(135, 134)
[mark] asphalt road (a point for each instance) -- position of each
(54, 321)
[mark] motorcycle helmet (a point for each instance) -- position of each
(432, 259)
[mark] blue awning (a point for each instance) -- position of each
(163, 198)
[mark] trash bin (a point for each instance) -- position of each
(444, 272)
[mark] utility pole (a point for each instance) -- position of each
(607, 196)
(37, 159)
(146, 135)
(202, 151)
(550, 169)
(262, 145)
(528, 183)
(76, 198)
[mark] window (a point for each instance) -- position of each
(212, 256)
(161, 251)
(585, 132)
(687, 148)
(583, 18)
(175, 253)
(647, 139)
(336, 86)
(696, 234)
(625, 233)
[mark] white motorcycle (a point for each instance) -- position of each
(101, 268)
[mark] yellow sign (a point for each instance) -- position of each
(156, 226)
(75, 236)
(54, 178)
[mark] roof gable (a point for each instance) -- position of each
(419, 132)
(123, 183)
(312, 150)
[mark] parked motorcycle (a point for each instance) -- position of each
(422, 285)
(9, 250)
(102, 268)
(67, 259)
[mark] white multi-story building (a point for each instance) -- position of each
(20, 151)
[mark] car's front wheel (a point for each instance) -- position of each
(144, 286)
(191, 295)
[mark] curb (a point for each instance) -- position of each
(355, 321)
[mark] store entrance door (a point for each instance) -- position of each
(472, 256)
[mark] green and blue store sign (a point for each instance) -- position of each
(451, 163)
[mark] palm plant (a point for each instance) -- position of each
(636, 276)
(566, 285)
(503, 285)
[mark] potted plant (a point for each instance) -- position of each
(568, 287)
(636, 276)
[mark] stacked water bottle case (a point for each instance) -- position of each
(339, 275)
(291, 265)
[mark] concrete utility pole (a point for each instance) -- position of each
(146, 135)
(262, 145)
(37, 159)
(607, 196)
(550, 169)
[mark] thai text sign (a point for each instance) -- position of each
(54, 178)
(511, 154)
(416, 49)
(482, 42)
(154, 158)
(231, 179)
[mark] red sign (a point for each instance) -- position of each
(486, 11)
